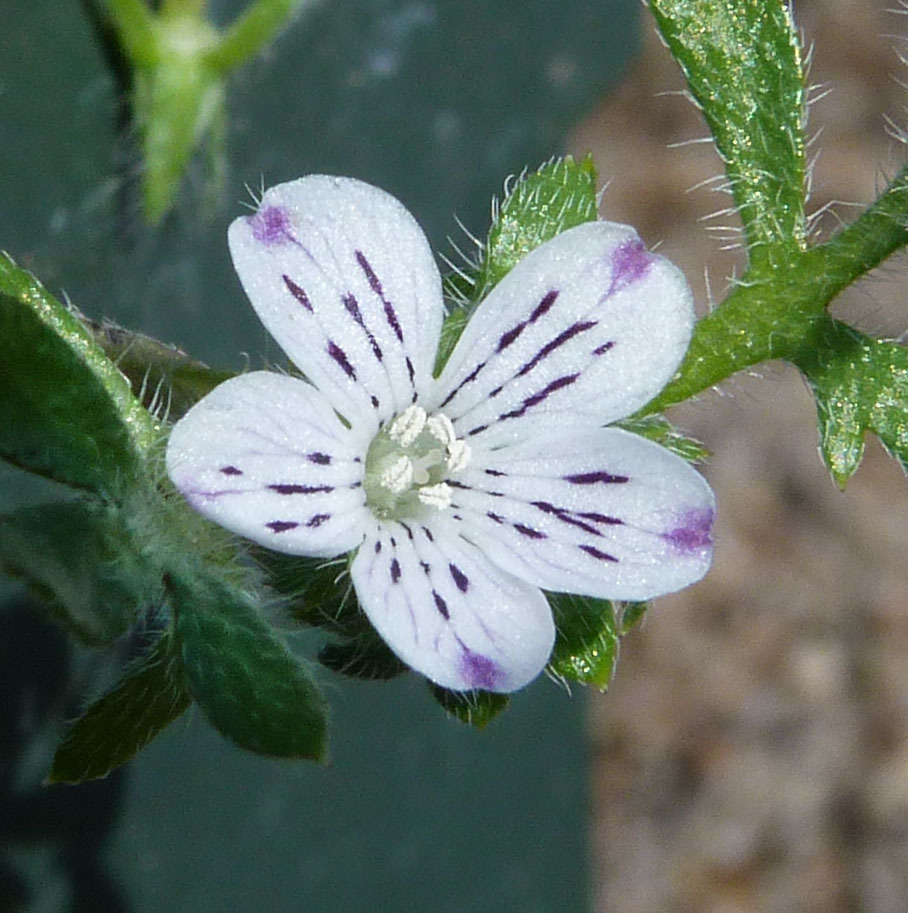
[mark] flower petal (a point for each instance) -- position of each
(596, 511)
(267, 457)
(445, 610)
(343, 278)
(590, 322)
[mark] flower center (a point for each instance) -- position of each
(409, 461)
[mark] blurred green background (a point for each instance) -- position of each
(438, 102)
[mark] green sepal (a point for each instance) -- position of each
(631, 614)
(742, 61)
(476, 708)
(66, 412)
(116, 727)
(79, 558)
(241, 672)
(539, 205)
(366, 656)
(166, 380)
(860, 384)
(586, 645)
(659, 429)
(319, 592)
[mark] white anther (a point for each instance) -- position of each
(408, 425)
(440, 427)
(459, 454)
(437, 496)
(398, 476)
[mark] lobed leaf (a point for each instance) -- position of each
(66, 412)
(860, 384)
(120, 724)
(241, 673)
(742, 61)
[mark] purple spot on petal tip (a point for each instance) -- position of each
(271, 225)
(694, 532)
(479, 671)
(631, 261)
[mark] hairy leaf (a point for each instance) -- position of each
(245, 679)
(119, 725)
(79, 558)
(742, 61)
(66, 412)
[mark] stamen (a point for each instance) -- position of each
(459, 455)
(437, 496)
(408, 425)
(398, 476)
(440, 427)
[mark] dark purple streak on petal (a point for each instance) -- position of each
(231, 471)
(441, 605)
(281, 526)
(395, 570)
(556, 343)
(595, 478)
(352, 306)
(376, 287)
(594, 552)
(317, 519)
(529, 532)
(338, 354)
(297, 293)
(534, 400)
(289, 488)
(460, 578)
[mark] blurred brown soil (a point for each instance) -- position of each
(752, 754)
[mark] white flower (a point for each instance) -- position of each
(467, 495)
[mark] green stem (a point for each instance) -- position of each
(251, 32)
(774, 312)
(134, 22)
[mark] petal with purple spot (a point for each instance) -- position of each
(343, 278)
(590, 323)
(268, 458)
(596, 511)
(448, 612)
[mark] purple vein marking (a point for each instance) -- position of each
(322, 459)
(529, 532)
(555, 343)
(352, 306)
(594, 478)
(460, 578)
(338, 354)
(539, 397)
(294, 489)
(297, 293)
(542, 308)
(317, 520)
(594, 552)
(395, 570)
(467, 380)
(231, 471)
(281, 526)
(441, 605)
(376, 286)
(601, 350)
(631, 261)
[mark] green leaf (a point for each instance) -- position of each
(742, 61)
(657, 428)
(78, 556)
(538, 206)
(66, 412)
(245, 679)
(476, 708)
(860, 384)
(586, 646)
(163, 377)
(119, 725)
